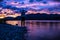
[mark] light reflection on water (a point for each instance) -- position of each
(43, 29)
(38, 29)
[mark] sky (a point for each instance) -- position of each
(33, 5)
(40, 0)
(31, 1)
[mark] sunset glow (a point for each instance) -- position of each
(50, 7)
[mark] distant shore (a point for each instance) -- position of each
(36, 17)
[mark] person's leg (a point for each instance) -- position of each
(23, 22)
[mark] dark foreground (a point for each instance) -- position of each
(10, 32)
(36, 30)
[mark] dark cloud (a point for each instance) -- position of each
(57, 0)
(38, 0)
(31, 0)
(35, 0)
(1, 0)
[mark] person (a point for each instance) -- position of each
(22, 17)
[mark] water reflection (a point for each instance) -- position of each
(39, 30)
(42, 30)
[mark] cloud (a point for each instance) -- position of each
(57, 0)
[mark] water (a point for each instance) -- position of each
(42, 30)
(37, 30)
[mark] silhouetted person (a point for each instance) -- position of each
(22, 17)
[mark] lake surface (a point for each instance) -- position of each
(42, 30)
